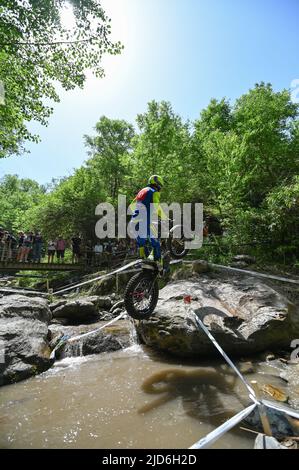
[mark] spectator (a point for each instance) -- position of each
(76, 245)
(51, 251)
(109, 247)
(6, 246)
(1, 237)
(37, 247)
(13, 246)
(20, 245)
(26, 248)
(122, 246)
(60, 245)
(133, 248)
(89, 252)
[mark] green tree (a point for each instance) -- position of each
(37, 51)
(265, 119)
(17, 196)
(110, 151)
(162, 147)
(70, 206)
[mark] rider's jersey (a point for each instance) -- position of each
(145, 198)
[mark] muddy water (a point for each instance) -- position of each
(127, 399)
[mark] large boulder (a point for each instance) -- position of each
(23, 337)
(244, 315)
(81, 309)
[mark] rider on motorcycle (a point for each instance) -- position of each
(146, 200)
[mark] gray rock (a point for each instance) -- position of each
(291, 375)
(117, 312)
(96, 343)
(24, 334)
(106, 340)
(107, 316)
(118, 304)
(104, 286)
(239, 264)
(280, 425)
(104, 303)
(267, 442)
(79, 309)
(57, 304)
(200, 266)
(244, 315)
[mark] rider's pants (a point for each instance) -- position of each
(155, 243)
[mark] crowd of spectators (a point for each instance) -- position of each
(32, 247)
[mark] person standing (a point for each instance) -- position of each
(20, 245)
(76, 248)
(60, 245)
(26, 248)
(98, 252)
(89, 252)
(51, 251)
(37, 247)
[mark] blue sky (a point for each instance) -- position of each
(183, 51)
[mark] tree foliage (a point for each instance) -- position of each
(37, 51)
(241, 160)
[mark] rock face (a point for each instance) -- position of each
(23, 337)
(244, 315)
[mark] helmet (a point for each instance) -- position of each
(157, 181)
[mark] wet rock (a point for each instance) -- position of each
(247, 368)
(281, 425)
(244, 315)
(275, 393)
(80, 309)
(291, 375)
(96, 343)
(24, 335)
(108, 339)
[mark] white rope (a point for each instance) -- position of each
(255, 273)
(79, 337)
(75, 338)
(252, 394)
(103, 276)
(281, 408)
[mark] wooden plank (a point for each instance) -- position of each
(4, 266)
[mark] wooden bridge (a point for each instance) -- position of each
(7, 266)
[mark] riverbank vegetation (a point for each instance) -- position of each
(241, 160)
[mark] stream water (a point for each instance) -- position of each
(132, 398)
